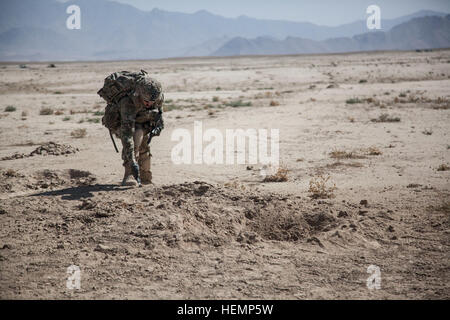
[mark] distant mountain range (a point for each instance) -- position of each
(418, 33)
(36, 31)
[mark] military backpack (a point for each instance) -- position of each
(117, 86)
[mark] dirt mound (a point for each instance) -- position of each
(50, 148)
(204, 214)
(14, 181)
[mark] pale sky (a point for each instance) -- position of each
(323, 12)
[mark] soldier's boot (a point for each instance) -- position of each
(144, 161)
(128, 173)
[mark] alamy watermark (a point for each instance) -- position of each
(374, 280)
(74, 278)
(374, 20)
(238, 146)
(74, 20)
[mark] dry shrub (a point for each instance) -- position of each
(280, 176)
(373, 151)
(443, 167)
(78, 133)
(11, 173)
(59, 112)
(234, 185)
(274, 103)
(46, 111)
(337, 164)
(356, 154)
(72, 111)
(321, 187)
(427, 132)
(341, 154)
(386, 118)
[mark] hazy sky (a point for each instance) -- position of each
(324, 12)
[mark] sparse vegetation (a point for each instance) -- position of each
(10, 109)
(46, 111)
(66, 118)
(321, 187)
(59, 112)
(170, 107)
(341, 154)
(72, 111)
(99, 113)
(238, 103)
(353, 101)
(78, 133)
(93, 120)
(274, 103)
(373, 151)
(427, 132)
(363, 81)
(280, 176)
(443, 167)
(386, 118)
(356, 154)
(215, 99)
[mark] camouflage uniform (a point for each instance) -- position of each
(137, 120)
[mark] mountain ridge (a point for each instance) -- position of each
(427, 32)
(114, 31)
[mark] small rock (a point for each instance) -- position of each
(169, 193)
(364, 203)
(342, 214)
(201, 190)
(390, 229)
(316, 241)
(103, 248)
(247, 237)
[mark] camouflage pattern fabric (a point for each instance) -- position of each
(130, 118)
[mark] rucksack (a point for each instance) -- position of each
(116, 86)
(120, 84)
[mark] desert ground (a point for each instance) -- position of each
(364, 151)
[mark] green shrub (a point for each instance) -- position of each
(10, 109)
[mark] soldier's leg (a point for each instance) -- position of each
(127, 130)
(137, 139)
(144, 161)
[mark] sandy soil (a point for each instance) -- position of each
(219, 231)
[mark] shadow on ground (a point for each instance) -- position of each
(81, 192)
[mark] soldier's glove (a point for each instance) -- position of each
(159, 126)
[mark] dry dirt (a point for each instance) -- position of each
(364, 138)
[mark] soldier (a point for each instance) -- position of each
(138, 105)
